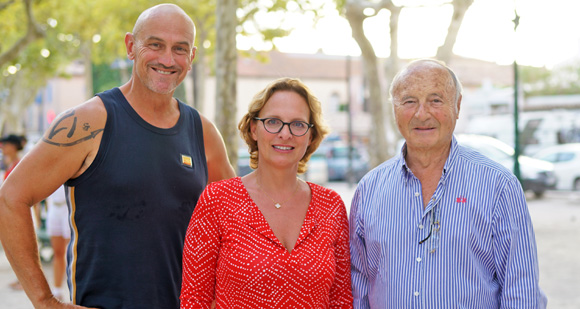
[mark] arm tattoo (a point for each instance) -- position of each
(57, 128)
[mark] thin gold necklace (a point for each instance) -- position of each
(278, 204)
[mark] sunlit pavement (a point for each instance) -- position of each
(556, 220)
(10, 298)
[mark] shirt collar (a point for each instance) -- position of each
(449, 163)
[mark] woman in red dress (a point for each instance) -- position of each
(269, 239)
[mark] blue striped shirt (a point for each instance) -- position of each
(481, 250)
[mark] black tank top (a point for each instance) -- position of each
(130, 209)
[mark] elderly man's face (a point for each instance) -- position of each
(424, 104)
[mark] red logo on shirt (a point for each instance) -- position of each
(461, 200)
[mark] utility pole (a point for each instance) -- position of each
(516, 110)
(349, 172)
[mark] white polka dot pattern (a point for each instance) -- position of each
(231, 252)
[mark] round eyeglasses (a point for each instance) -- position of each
(275, 125)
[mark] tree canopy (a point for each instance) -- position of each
(53, 35)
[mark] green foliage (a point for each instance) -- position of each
(102, 25)
(104, 77)
(40, 60)
(81, 21)
(558, 81)
(271, 34)
(252, 11)
(11, 26)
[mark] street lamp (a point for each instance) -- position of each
(516, 112)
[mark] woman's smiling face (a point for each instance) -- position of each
(282, 149)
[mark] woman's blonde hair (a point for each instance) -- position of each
(318, 131)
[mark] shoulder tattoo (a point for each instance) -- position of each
(69, 127)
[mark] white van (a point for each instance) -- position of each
(538, 130)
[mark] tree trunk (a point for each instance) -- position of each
(88, 63)
(199, 72)
(445, 51)
(381, 137)
(378, 150)
(391, 68)
(20, 97)
(226, 73)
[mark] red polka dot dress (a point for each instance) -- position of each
(231, 254)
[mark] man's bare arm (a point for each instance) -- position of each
(218, 163)
(65, 151)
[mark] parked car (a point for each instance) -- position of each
(317, 171)
(244, 162)
(337, 159)
(537, 175)
(566, 160)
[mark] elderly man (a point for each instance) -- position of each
(439, 225)
(134, 161)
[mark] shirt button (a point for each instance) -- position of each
(421, 226)
(416, 194)
(418, 259)
(416, 293)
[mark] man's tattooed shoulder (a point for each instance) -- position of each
(68, 125)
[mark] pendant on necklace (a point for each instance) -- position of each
(277, 205)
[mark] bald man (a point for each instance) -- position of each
(134, 161)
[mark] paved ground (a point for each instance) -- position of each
(557, 224)
(10, 299)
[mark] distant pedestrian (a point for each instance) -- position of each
(57, 227)
(11, 146)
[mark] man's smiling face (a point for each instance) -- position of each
(424, 104)
(163, 51)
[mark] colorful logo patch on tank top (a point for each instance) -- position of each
(186, 160)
